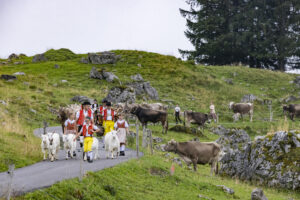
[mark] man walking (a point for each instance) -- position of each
(177, 114)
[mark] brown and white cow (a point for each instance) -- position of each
(198, 118)
(147, 115)
(240, 109)
(292, 109)
(197, 153)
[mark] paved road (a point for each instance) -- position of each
(46, 173)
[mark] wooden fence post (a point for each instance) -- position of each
(137, 138)
(11, 175)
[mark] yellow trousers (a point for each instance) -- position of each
(87, 144)
(109, 126)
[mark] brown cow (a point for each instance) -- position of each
(197, 153)
(240, 109)
(147, 115)
(196, 118)
(154, 106)
(292, 109)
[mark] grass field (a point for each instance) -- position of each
(191, 86)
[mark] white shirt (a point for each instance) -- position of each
(94, 107)
(85, 113)
(212, 109)
(121, 121)
(177, 109)
(69, 121)
(109, 117)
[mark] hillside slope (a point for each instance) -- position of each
(30, 99)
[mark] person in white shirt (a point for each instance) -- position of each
(177, 114)
(121, 126)
(95, 111)
(213, 111)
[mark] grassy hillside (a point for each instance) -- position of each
(192, 86)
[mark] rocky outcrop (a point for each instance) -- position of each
(269, 160)
(103, 58)
(39, 58)
(94, 73)
(137, 77)
(258, 194)
(121, 95)
(108, 76)
(81, 99)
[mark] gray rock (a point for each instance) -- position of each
(26, 83)
(248, 98)
(204, 197)
(19, 63)
(121, 95)
(8, 77)
(177, 160)
(84, 60)
(220, 130)
(19, 74)
(167, 155)
(81, 99)
(137, 77)
(258, 194)
(157, 140)
(103, 58)
(32, 110)
(226, 189)
(139, 65)
(64, 81)
(151, 91)
(109, 76)
(56, 66)
(297, 81)
(39, 58)
(290, 99)
(94, 73)
(229, 81)
(160, 147)
(138, 87)
(13, 56)
(55, 85)
(3, 102)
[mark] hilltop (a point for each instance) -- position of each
(28, 101)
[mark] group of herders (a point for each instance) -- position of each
(83, 124)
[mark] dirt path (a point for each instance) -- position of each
(46, 173)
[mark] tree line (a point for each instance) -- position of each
(258, 33)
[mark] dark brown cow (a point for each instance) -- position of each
(196, 118)
(292, 109)
(197, 153)
(240, 109)
(147, 115)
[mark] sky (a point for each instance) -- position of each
(34, 26)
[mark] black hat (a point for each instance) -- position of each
(86, 103)
(104, 101)
(108, 104)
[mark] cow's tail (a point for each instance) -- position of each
(217, 167)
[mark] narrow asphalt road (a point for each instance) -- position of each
(44, 174)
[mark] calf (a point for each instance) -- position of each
(197, 153)
(69, 145)
(54, 145)
(112, 144)
(240, 109)
(45, 145)
(147, 115)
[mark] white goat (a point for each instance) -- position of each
(45, 145)
(54, 145)
(69, 145)
(95, 147)
(112, 144)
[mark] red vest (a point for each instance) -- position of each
(87, 133)
(101, 109)
(81, 116)
(71, 126)
(121, 125)
(112, 114)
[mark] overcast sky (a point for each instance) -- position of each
(34, 26)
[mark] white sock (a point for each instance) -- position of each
(91, 155)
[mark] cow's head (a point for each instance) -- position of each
(134, 110)
(230, 105)
(171, 146)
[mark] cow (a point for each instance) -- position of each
(292, 109)
(197, 153)
(147, 115)
(240, 109)
(154, 106)
(112, 144)
(196, 118)
(64, 113)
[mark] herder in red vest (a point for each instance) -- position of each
(85, 111)
(87, 131)
(121, 126)
(108, 117)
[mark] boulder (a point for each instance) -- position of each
(13, 56)
(229, 81)
(64, 81)
(220, 130)
(56, 66)
(84, 60)
(157, 140)
(121, 95)
(151, 91)
(137, 77)
(138, 87)
(81, 99)
(109, 76)
(248, 98)
(160, 147)
(177, 160)
(226, 189)
(8, 77)
(3, 102)
(19, 74)
(103, 58)
(290, 99)
(32, 110)
(258, 194)
(94, 73)
(39, 58)
(19, 63)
